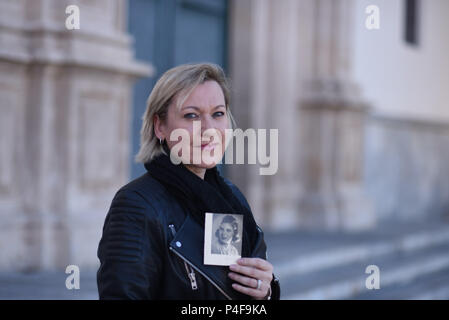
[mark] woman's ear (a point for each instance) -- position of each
(158, 127)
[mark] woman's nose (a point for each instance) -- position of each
(206, 123)
(209, 131)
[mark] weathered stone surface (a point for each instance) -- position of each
(65, 98)
(406, 168)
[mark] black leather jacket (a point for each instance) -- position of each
(152, 249)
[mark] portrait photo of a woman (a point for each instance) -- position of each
(152, 241)
(227, 237)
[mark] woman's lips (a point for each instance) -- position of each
(208, 146)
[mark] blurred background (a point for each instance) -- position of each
(358, 90)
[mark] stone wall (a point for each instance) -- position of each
(311, 69)
(407, 168)
(65, 99)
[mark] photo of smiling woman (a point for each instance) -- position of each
(153, 235)
(226, 237)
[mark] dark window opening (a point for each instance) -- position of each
(411, 21)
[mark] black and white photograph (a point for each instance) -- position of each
(222, 238)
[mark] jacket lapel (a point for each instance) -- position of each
(189, 244)
(260, 249)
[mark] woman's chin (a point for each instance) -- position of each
(208, 166)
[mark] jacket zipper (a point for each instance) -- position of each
(188, 263)
(202, 273)
(190, 271)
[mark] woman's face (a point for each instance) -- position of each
(206, 104)
(225, 233)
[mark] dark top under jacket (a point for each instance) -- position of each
(152, 249)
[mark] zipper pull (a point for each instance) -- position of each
(193, 280)
(191, 275)
(172, 229)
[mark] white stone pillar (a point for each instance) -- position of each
(332, 126)
(264, 61)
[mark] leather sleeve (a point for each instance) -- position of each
(275, 289)
(129, 250)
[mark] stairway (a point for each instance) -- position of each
(413, 260)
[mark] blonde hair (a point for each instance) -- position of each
(176, 84)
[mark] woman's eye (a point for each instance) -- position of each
(189, 115)
(219, 113)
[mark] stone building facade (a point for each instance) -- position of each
(362, 117)
(362, 114)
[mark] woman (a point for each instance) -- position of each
(153, 236)
(225, 236)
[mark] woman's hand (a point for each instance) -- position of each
(247, 271)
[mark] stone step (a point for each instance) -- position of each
(432, 286)
(47, 285)
(348, 280)
(343, 251)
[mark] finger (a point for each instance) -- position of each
(249, 282)
(256, 263)
(250, 291)
(251, 272)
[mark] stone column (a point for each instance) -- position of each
(332, 125)
(66, 95)
(264, 61)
